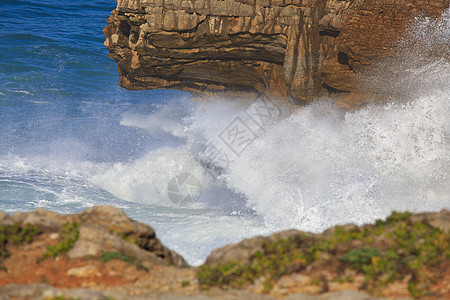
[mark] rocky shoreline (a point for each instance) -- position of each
(101, 253)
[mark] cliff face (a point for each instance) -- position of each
(288, 49)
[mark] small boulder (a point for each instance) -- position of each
(84, 271)
(95, 239)
(115, 220)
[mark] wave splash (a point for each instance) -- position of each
(311, 168)
(319, 166)
(315, 168)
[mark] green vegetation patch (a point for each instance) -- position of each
(109, 255)
(185, 283)
(358, 258)
(60, 297)
(16, 235)
(275, 260)
(69, 236)
(388, 251)
(126, 238)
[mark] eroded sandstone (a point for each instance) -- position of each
(288, 49)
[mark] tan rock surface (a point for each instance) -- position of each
(102, 228)
(295, 49)
(141, 274)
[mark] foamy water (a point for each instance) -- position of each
(67, 147)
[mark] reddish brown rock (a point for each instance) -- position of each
(140, 273)
(290, 49)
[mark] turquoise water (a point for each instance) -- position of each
(71, 138)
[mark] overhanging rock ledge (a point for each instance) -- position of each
(296, 50)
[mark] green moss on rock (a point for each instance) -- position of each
(109, 255)
(16, 234)
(388, 251)
(69, 236)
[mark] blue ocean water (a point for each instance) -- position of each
(55, 74)
(70, 138)
(63, 123)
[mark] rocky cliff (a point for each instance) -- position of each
(289, 49)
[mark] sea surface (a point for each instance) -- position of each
(71, 138)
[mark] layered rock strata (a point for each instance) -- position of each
(288, 49)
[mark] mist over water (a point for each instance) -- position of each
(320, 166)
(70, 138)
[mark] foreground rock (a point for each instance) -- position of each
(405, 255)
(102, 229)
(102, 254)
(45, 291)
(294, 49)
